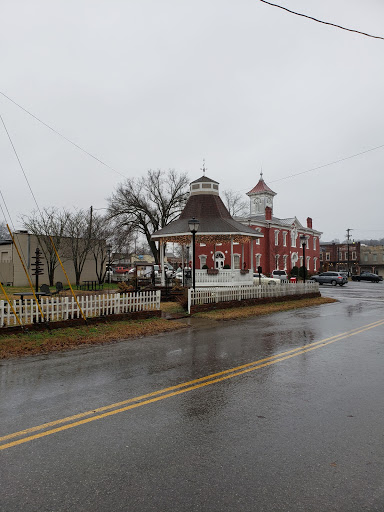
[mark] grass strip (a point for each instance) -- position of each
(262, 309)
(42, 342)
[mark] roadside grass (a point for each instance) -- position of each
(172, 307)
(42, 342)
(262, 309)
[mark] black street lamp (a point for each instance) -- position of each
(193, 228)
(303, 240)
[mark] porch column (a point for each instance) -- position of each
(162, 247)
(252, 263)
(232, 258)
(182, 265)
(242, 255)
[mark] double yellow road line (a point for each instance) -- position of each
(29, 434)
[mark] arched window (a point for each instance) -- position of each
(219, 260)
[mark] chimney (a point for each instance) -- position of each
(309, 222)
(268, 213)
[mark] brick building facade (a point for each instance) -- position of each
(279, 246)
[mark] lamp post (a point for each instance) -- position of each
(303, 240)
(193, 228)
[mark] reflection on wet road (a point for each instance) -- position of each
(283, 412)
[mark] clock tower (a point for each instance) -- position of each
(260, 197)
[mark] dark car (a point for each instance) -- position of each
(367, 276)
(332, 278)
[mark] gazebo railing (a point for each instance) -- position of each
(225, 277)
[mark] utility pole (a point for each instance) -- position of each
(348, 238)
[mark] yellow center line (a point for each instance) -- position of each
(178, 389)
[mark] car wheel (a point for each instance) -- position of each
(333, 283)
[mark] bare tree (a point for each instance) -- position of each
(4, 233)
(101, 234)
(235, 203)
(149, 203)
(78, 239)
(50, 222)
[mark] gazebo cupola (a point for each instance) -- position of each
(204, 185)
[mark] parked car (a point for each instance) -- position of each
(332, 278)
(169, 271)
(121, 270)
(265, 280)
(279, 274)
(187, 273)
(367, 276)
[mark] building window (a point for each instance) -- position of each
(308, 258)
(307, 243)
(374, 257)
(202, 245)
(285, 238)
(236, 261)
(285, 257)
(327, 256)
(293, 237)
(365, 257)
(314, 243)
(354, 257)
(314, 264)
(258, 260)
(276, 237)
(301, 261)
(321, 256)
(346, 256)
(203, 260)
(277, 262)
(257, 241)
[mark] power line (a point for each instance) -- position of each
(321, 21)
(20, 164)
(328, 164)
(61, 135)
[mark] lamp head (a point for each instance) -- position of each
(193, 225)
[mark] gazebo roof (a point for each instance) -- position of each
(213, 216)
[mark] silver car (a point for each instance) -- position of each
(332, 278)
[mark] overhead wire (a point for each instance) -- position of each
(62, 136)
(321, 21)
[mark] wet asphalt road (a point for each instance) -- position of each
(304, 433)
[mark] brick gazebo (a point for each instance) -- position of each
(216, 226)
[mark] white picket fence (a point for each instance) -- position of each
(64, 308)
(220, 294)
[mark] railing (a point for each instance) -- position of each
(230, 293)
(65, 308)
(225, 277)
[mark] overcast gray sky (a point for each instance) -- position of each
(147, 84)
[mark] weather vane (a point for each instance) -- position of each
(204, 168)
